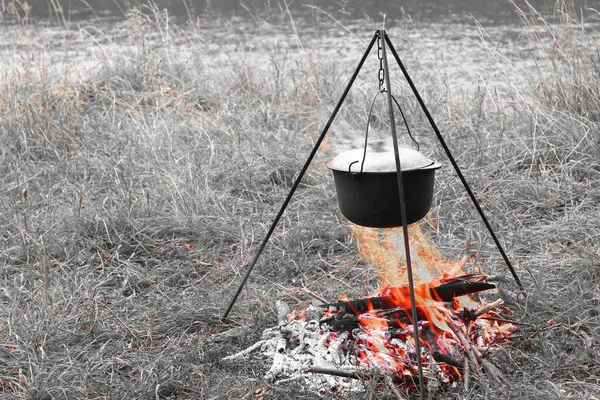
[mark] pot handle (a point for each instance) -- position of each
(367, 131)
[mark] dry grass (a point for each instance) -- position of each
(134, 195)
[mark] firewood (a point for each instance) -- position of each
(244, 352)
(447, 358)
(278, 361)
(462, 285)
(292, 330)
(466, 374)
(490, 368)
(432, 372)
(487, 308)
(396, 318)
(445, 292)
(391, 357)
(323, 340)
(351, 373)
(493, 372)
(275, 369)
(336, 343)
(375, 333)
(354, 374)
(390, 384)
(397, 332)
(336, 323)
(467, 348)
(314, 295)
(473, 353)
(282, 312)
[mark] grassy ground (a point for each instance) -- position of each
(135, 192)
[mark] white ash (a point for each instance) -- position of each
(344, 360)
(297, 345)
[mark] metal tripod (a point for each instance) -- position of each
(383, 39)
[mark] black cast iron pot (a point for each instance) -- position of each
(370, 198)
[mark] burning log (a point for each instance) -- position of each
(487, 308)
(462, 285)
(445, 292)
(349, 322)
(447, 358)
(335, 345)
(337, 323)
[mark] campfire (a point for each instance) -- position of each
(336, 347)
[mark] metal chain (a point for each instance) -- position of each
(381, 73)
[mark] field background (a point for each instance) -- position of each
(142, 159)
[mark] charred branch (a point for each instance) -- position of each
(445, 292)
(349, 322)
(352, 374)
(447, 358)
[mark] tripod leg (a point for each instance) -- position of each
(411, 285)
(454, 164)
(300, 175)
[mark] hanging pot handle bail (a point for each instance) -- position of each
(406, 123)
(367, 131)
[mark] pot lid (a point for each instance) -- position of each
(379, 161)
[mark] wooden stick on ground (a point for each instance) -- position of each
(490, 368)
(355, 374)
(493, 371)
(314, 295)
(466, 347)
(466, 374)
(487, 308)
(278, 362)
(244, 352)
(352, 374)
(390, 384)
(282, 312)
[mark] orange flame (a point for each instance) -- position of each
(387, 340)
(384, 249)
